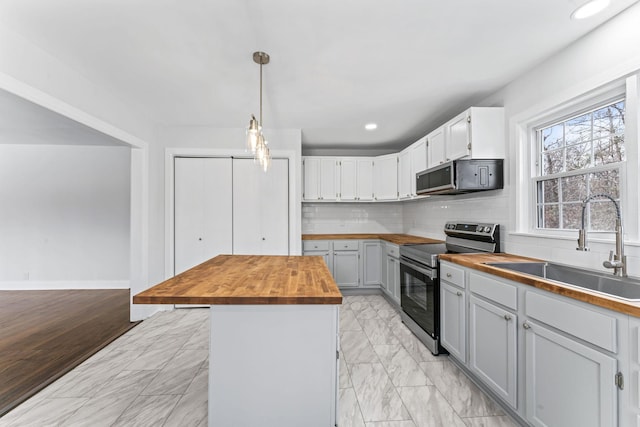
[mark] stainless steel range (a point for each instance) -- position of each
(419, 284)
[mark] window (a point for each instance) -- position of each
(577, 158)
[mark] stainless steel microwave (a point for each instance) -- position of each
(461, 176)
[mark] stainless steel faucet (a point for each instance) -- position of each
(617, 261)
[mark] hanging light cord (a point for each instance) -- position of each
(261, 92)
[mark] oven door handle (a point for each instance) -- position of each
(431, 274)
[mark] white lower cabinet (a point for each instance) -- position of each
(371, 263)
(493, 347)
(391, 261)
(567, 383)
(550, 360)
(393, 278)
(346, 268)
(453, 325)
(353, 263)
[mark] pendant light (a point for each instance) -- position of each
(256, 142)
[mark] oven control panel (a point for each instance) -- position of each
(452, 228)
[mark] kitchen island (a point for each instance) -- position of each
(274, 337)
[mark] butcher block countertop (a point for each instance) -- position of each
(398, 239)
(248, 279)
(478, 262)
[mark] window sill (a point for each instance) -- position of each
(592, 239)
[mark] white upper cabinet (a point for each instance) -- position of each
(364, 180)
(348, 179)
(320, 178)
(329, 174)
(404, 174)
(418, 161)
(311, 176)
(338, 178)
(435, 148)
(458, 131)
(356, 178)
(476, 133)
(385, 177)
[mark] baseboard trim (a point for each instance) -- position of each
(47, 285)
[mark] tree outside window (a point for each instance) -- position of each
(577, 158)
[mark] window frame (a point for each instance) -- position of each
(555, 110)
(587, 104)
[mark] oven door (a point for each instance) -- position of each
(418, 295)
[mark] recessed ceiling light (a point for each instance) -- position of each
(371, 126)
(589, 9)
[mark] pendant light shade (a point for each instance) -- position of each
(256, 142)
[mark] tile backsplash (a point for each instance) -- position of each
(321, 218)
(426, 217)
(423, 217)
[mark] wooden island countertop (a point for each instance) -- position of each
(248, 279)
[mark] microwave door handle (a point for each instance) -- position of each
(429, 274)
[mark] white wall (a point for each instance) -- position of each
(608, 53)
(322, 218)
(64, 216)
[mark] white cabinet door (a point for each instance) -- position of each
(348, 179)
(453, 329)
(203, 210)
(364, 179)
(404, 174)
(458, 136)
(311, 171)
(392, 284)
(492, 347)
(385, 177)
(390, 278)
(394, 279)
(329, 175)
(346, 269)
(384, 285)
(371, 268)
(418, 161)
(436, 148)
(260, 208)
(567, 383)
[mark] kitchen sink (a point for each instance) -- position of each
(620, 287)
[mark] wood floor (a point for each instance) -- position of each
(44, 334)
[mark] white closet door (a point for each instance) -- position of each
(203, 210)
(260, 208)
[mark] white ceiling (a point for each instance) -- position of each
(335, 65)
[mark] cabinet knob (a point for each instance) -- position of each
(200, 239)
(264, 238)
(507, 317)
(459, 293)
(526, 325)
(448, 274)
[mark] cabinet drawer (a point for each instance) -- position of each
(589, 325)
(315, 245)
(495, 290)
(345, 245)
(451, 274)
(393, 250)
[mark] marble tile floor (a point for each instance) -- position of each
(156, 375)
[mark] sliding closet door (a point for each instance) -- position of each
(260, 208)
(203, 210)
